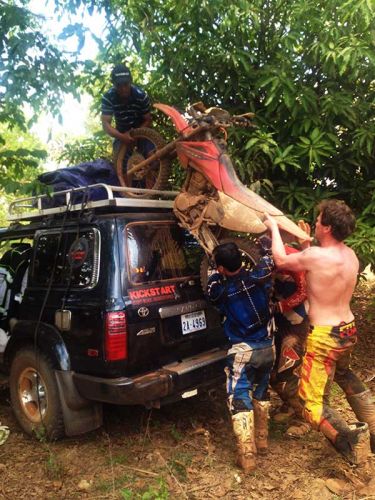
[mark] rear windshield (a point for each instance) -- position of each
(161, 251)
(68, 259)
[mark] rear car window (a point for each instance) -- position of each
(160, 251)
(70, 259)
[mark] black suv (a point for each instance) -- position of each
(104, 305)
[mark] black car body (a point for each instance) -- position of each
(112, 311)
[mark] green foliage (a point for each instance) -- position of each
(363, 240)
(106, 486)
(179, 463)
(32, 69)
(84, 149)
(3, 211)
(15, 164)
(159, 492)
(176, 434)
(34, 76)
(21, 155)
(305, 67)
(54, 467)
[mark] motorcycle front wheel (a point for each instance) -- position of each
(153, 176)
(250, 256)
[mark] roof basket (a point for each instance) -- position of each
(77, 199)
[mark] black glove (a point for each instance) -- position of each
(265, 243)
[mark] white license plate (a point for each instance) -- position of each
(193, 322)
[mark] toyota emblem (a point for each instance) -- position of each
(143, 312)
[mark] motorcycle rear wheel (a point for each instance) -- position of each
(154, 176)
(249, 250)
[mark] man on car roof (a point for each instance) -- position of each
(128, 104)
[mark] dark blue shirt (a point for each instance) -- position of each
(128, 114)
(244, 299)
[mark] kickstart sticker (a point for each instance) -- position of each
(154, 294)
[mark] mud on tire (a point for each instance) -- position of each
(156, 176)
(249, 249)
(34, 395)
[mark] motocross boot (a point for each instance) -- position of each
(243, 427)
(363, 406)
(298, 428)
(261, 411)
(354, 444)
(283, 414)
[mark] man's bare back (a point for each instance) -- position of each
(331, 278)
(331, 274)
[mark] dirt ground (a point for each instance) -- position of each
(187, 451)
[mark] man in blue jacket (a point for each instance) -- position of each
(243, 296)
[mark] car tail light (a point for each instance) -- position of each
(116, 336)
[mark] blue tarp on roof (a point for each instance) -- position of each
(84, 174)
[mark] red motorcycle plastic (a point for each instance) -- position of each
(212, 197)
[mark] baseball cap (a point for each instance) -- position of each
(121, 74)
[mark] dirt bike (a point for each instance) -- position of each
(212, 199)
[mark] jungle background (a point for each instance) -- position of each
(306, 68)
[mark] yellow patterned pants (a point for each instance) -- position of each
(327, 359)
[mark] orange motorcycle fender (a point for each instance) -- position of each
(179, 121)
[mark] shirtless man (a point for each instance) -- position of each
(331, 274)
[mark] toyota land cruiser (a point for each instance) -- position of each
(105, 307)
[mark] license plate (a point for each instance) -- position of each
(193, 322)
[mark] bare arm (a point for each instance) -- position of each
(107, 127)
(305, 226)
(294, 262)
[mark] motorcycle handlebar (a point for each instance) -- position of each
(200, 115)
(213, 122)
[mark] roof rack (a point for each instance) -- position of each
(35, 207)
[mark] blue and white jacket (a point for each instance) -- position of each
(244, 299)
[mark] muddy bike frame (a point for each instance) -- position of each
(212, 194)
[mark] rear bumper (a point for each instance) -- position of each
(171, 382)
